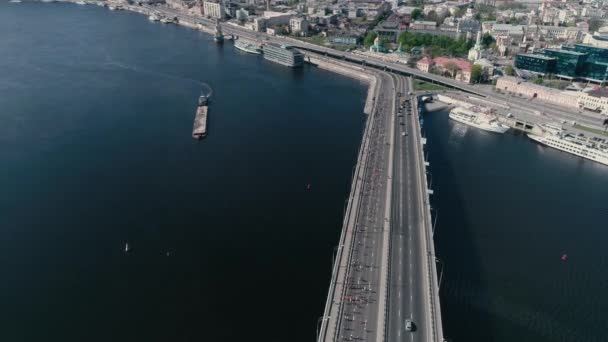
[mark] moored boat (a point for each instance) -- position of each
(247, 47)
(595, 149)
(484, 121)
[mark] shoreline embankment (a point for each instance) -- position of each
(355, 72)
(364, 75)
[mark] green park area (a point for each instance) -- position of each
(422, 85)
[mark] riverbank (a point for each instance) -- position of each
(576, 140)
(349, 70)
(367, 76)
(510, 116)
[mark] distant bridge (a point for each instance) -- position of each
(390, 67)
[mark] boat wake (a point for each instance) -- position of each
(152, 72)
(112, 62)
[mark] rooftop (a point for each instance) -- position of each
(600, 92)
(588, 46)
(424, 60)
(536, 56)
(463, 64)
(484, 62)
(566, 52)
(507, 27)
(271, 14)
(405, 10)
(423, 22)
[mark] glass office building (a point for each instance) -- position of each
(594, 53)
(567, 63)
(579, 61)
(536, 63)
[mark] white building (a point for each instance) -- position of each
(513, 31)
(558, 32)
(277, 18)
(441, 10)
(476, 51)
(298, 25)
(599, 38)
(469, 13)
(269, 19)
(596, 100)
(423, 25)
(405, 10)
(486, 66)
(259, 24)
(214, 10)
(530, 90)
(177, 4)
(249, 25)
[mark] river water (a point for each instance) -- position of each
(96, 113)
(508, 210)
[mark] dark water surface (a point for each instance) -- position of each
(96, 112)
(508, 210)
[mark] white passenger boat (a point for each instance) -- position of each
(595, 149)
(247, 47)
(480, 120)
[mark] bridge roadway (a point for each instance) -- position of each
(356, 300)
(385, 264)
(381, 274)
(407, 295)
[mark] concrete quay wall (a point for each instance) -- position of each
(454, 101)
